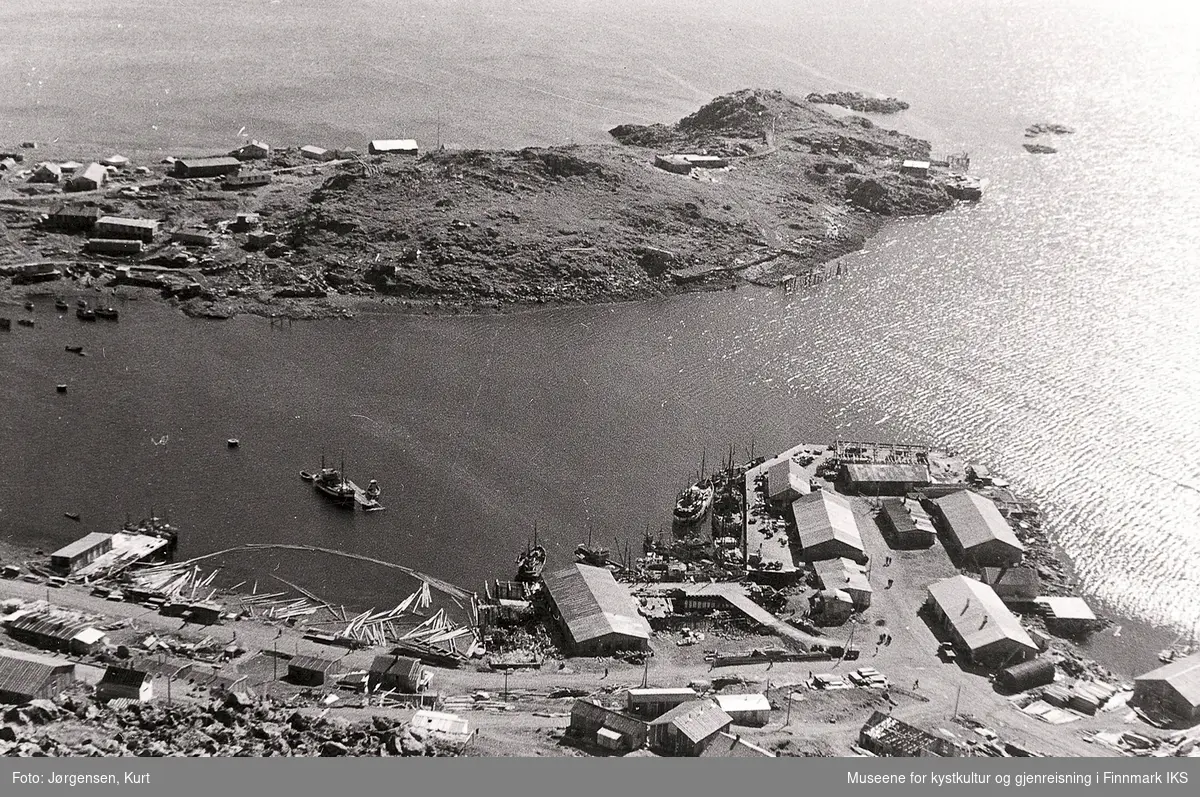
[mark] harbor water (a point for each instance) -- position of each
(1048, 331)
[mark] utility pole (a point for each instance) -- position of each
(956, 698)
(646, 672)
(788, 721)
(275, 660)
(507, 670)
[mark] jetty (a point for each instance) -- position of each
(363, 500)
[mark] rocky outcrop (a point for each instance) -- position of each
(859, 102)
(1040, 149)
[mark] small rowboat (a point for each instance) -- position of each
(72, 515)
(307, 476)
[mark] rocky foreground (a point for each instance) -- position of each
(235, 725)
(492, 229)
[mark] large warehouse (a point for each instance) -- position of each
(597, 615)
(976, 530)
(826, 527)
(1173, 688)
(978, 623)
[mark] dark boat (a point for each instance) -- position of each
(29, 306)
(25, 322)
(587, 555)
(75, 349)
(83, 313)
(331, 482)
(61, 304)
(233, 442)
(530, 564)
(5, 324)
(108, 313)
(72, 515)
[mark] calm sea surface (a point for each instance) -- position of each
(1050, 331)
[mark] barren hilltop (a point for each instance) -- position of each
(779, 188)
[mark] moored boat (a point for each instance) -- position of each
(108, 313)
(61, 305)
(331, 482)
(75, 349)
(85, 313)
(530, 564)
(693, 504)
(25, 322)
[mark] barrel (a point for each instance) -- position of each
(1026, 675)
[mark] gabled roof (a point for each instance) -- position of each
(884, 472)
(1182, 674)
(397, 666)
(125, 676)
(141, 224)
(224, 161)
(26, 674)
(842, 573)
(977, 613)
(754, 701)
(822, 517)
(1011, 577)
(974, 520)
(593, 604)
(696, 719)
(727, 745)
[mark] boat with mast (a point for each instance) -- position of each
(332, 483)
(531, 562)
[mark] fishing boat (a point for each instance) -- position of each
(693, 503)
(25, 322)
(72, 515)
(75, 349)
(108, 313)
(233, 442)
(587, 555)
(530, 564)
(331, 482)
(29, 306)
(61, 305)
(373, 490)
(85, 313)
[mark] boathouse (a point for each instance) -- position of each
(785, 480)
(597, 615)
(689, 728)
(976, 531)
(400, 146)
(84, 550)
(882, 479)
(90, 179)
(606, 727)
(978, 623)
(848, 576)
(653, 703)
(28, 676)
(125, 683)
(826, 527)
(206, 167)
(132, 229)
(915, 168)
(1173, 688)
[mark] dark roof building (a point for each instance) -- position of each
(689, 728)
(398, 146)
(906, 524)
(117, 227)
(884, 735)
(978, 622)
(977, 531)
(597, 615)
(83, 551)
(26, 676)
(607, 727)
(1013, 584)
(206, 167)
(125, 683)
(89, 179)
(54, 633)
(255, 150)
(1173, 688)
(73, 217)
(653, 703)
(396, 673)
(313, 670)
(882, 479)
(826, 527)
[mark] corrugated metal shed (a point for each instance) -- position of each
(696, 720)
(24, 676)
(823, 517)
(977, 614)
(592, 604)
(974, 520)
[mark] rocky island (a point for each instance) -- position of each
(859, 102)
(753, 187)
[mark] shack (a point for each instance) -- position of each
(313, 670)
(238, 182)
(976, 531)
(606, 727)
(442, 725)
(397, 146)
(884, 735)
(194, 237)
(84, 550)
(1172, 689)
(882, 479)
(978, 623)
(727, 745)
(785, 480)
(203, 613)
(28, 676)
(831, 606)
(653, 703)
(905, 524)
(46, 173)
(133, 229)
(65, 635)
(826, 527)
(397, 674)
(255, 150)
(847, 575)
(752, 709)
(72, 218)
(1013, 584)
(915, 168)
(596, 614)
(125, 683)
(186, 168)
(90, 179)
(1067, 615)
(689, 728)
(314, 153)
